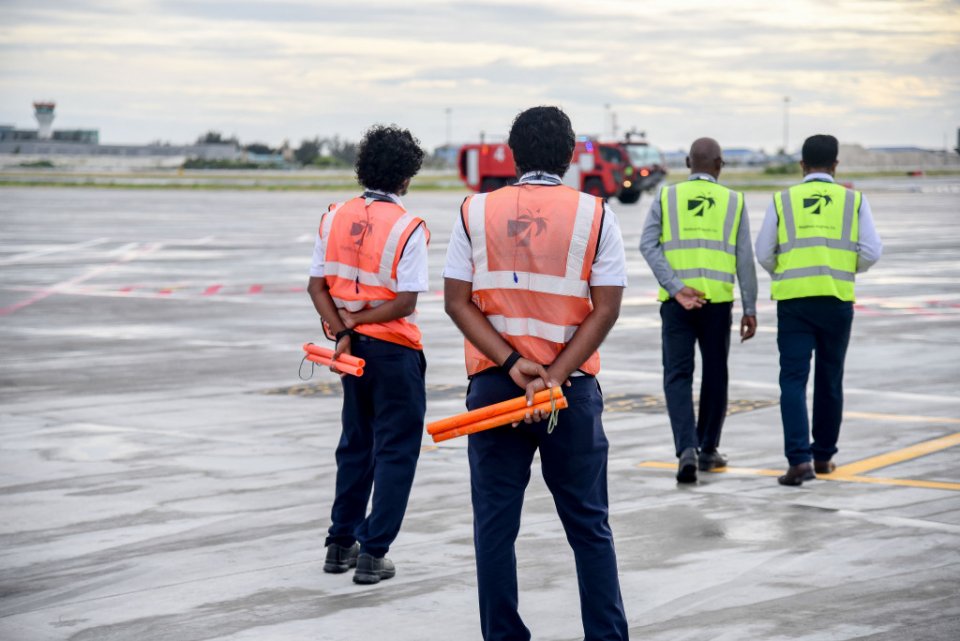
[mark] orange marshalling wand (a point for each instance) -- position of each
(326, 352)
(492, 410)
(512, 416)
(339, 365)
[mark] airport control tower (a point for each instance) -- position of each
(43, 111)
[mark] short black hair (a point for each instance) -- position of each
(387, 156)
(542, 139)
(820, 151)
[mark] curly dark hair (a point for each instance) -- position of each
(387, 157)
(542, 139)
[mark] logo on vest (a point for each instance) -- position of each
(360, 228)
(700, 204)
(815, 204)
(526, 226)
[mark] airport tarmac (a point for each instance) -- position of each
(165, 474)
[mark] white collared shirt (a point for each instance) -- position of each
(609, 266)
(412, 272)
(869, 246)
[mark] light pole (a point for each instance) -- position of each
(786, 123)
(449, 112)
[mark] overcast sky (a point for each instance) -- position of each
(877, 73)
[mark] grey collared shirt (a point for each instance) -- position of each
(653, 253)
(869, 245)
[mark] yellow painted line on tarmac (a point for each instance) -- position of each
(748, 471)
(903, 417)
(876, 480)
(848, 478)
(898, 456)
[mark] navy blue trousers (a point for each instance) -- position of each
(379, 446)
(681, 331)
(574, 463)
(818, 324)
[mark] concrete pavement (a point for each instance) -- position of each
(164, 474)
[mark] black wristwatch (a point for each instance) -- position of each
(510, 362)
(341, 334)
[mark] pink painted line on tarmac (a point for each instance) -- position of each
(213, 289)
(255, 289)
(166, 291)
(96, 271)
(127, 289)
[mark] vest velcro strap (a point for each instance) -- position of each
(532, 327)
(712, 274)
(818, 270)
(542, 283)
(700, 243)
(832, 243)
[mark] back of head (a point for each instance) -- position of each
(820, 151)
(387, 157)
(542, 139)
(705, 157)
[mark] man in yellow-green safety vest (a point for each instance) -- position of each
(815, 237)
(696, 240)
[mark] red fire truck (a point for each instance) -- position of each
(488, 166)
(643, 168)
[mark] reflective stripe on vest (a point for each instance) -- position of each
(534, 290)
(817, 231)
(699, 245)
(362, 273)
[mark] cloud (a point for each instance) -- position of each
(146, 69)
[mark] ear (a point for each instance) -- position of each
(688, 162)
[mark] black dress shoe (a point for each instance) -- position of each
(712, 461)
(797, 474)
(372, 569)
(824, 467)
(687, 468)
(340, 559)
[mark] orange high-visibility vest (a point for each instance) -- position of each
(365, 239)
(533, 251)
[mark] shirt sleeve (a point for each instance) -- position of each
(319, 253)
(412, 272)
(652, 250)
(746, 269)
(459, 263)
(610, 264)
(767, 240)
(869, 245)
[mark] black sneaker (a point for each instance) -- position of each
(341, 559)
(372, 570)
(712, 461)
(687, 468)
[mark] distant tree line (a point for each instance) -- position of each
(320, 151)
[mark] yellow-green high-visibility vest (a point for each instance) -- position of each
(699, 236)
(817, 232)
